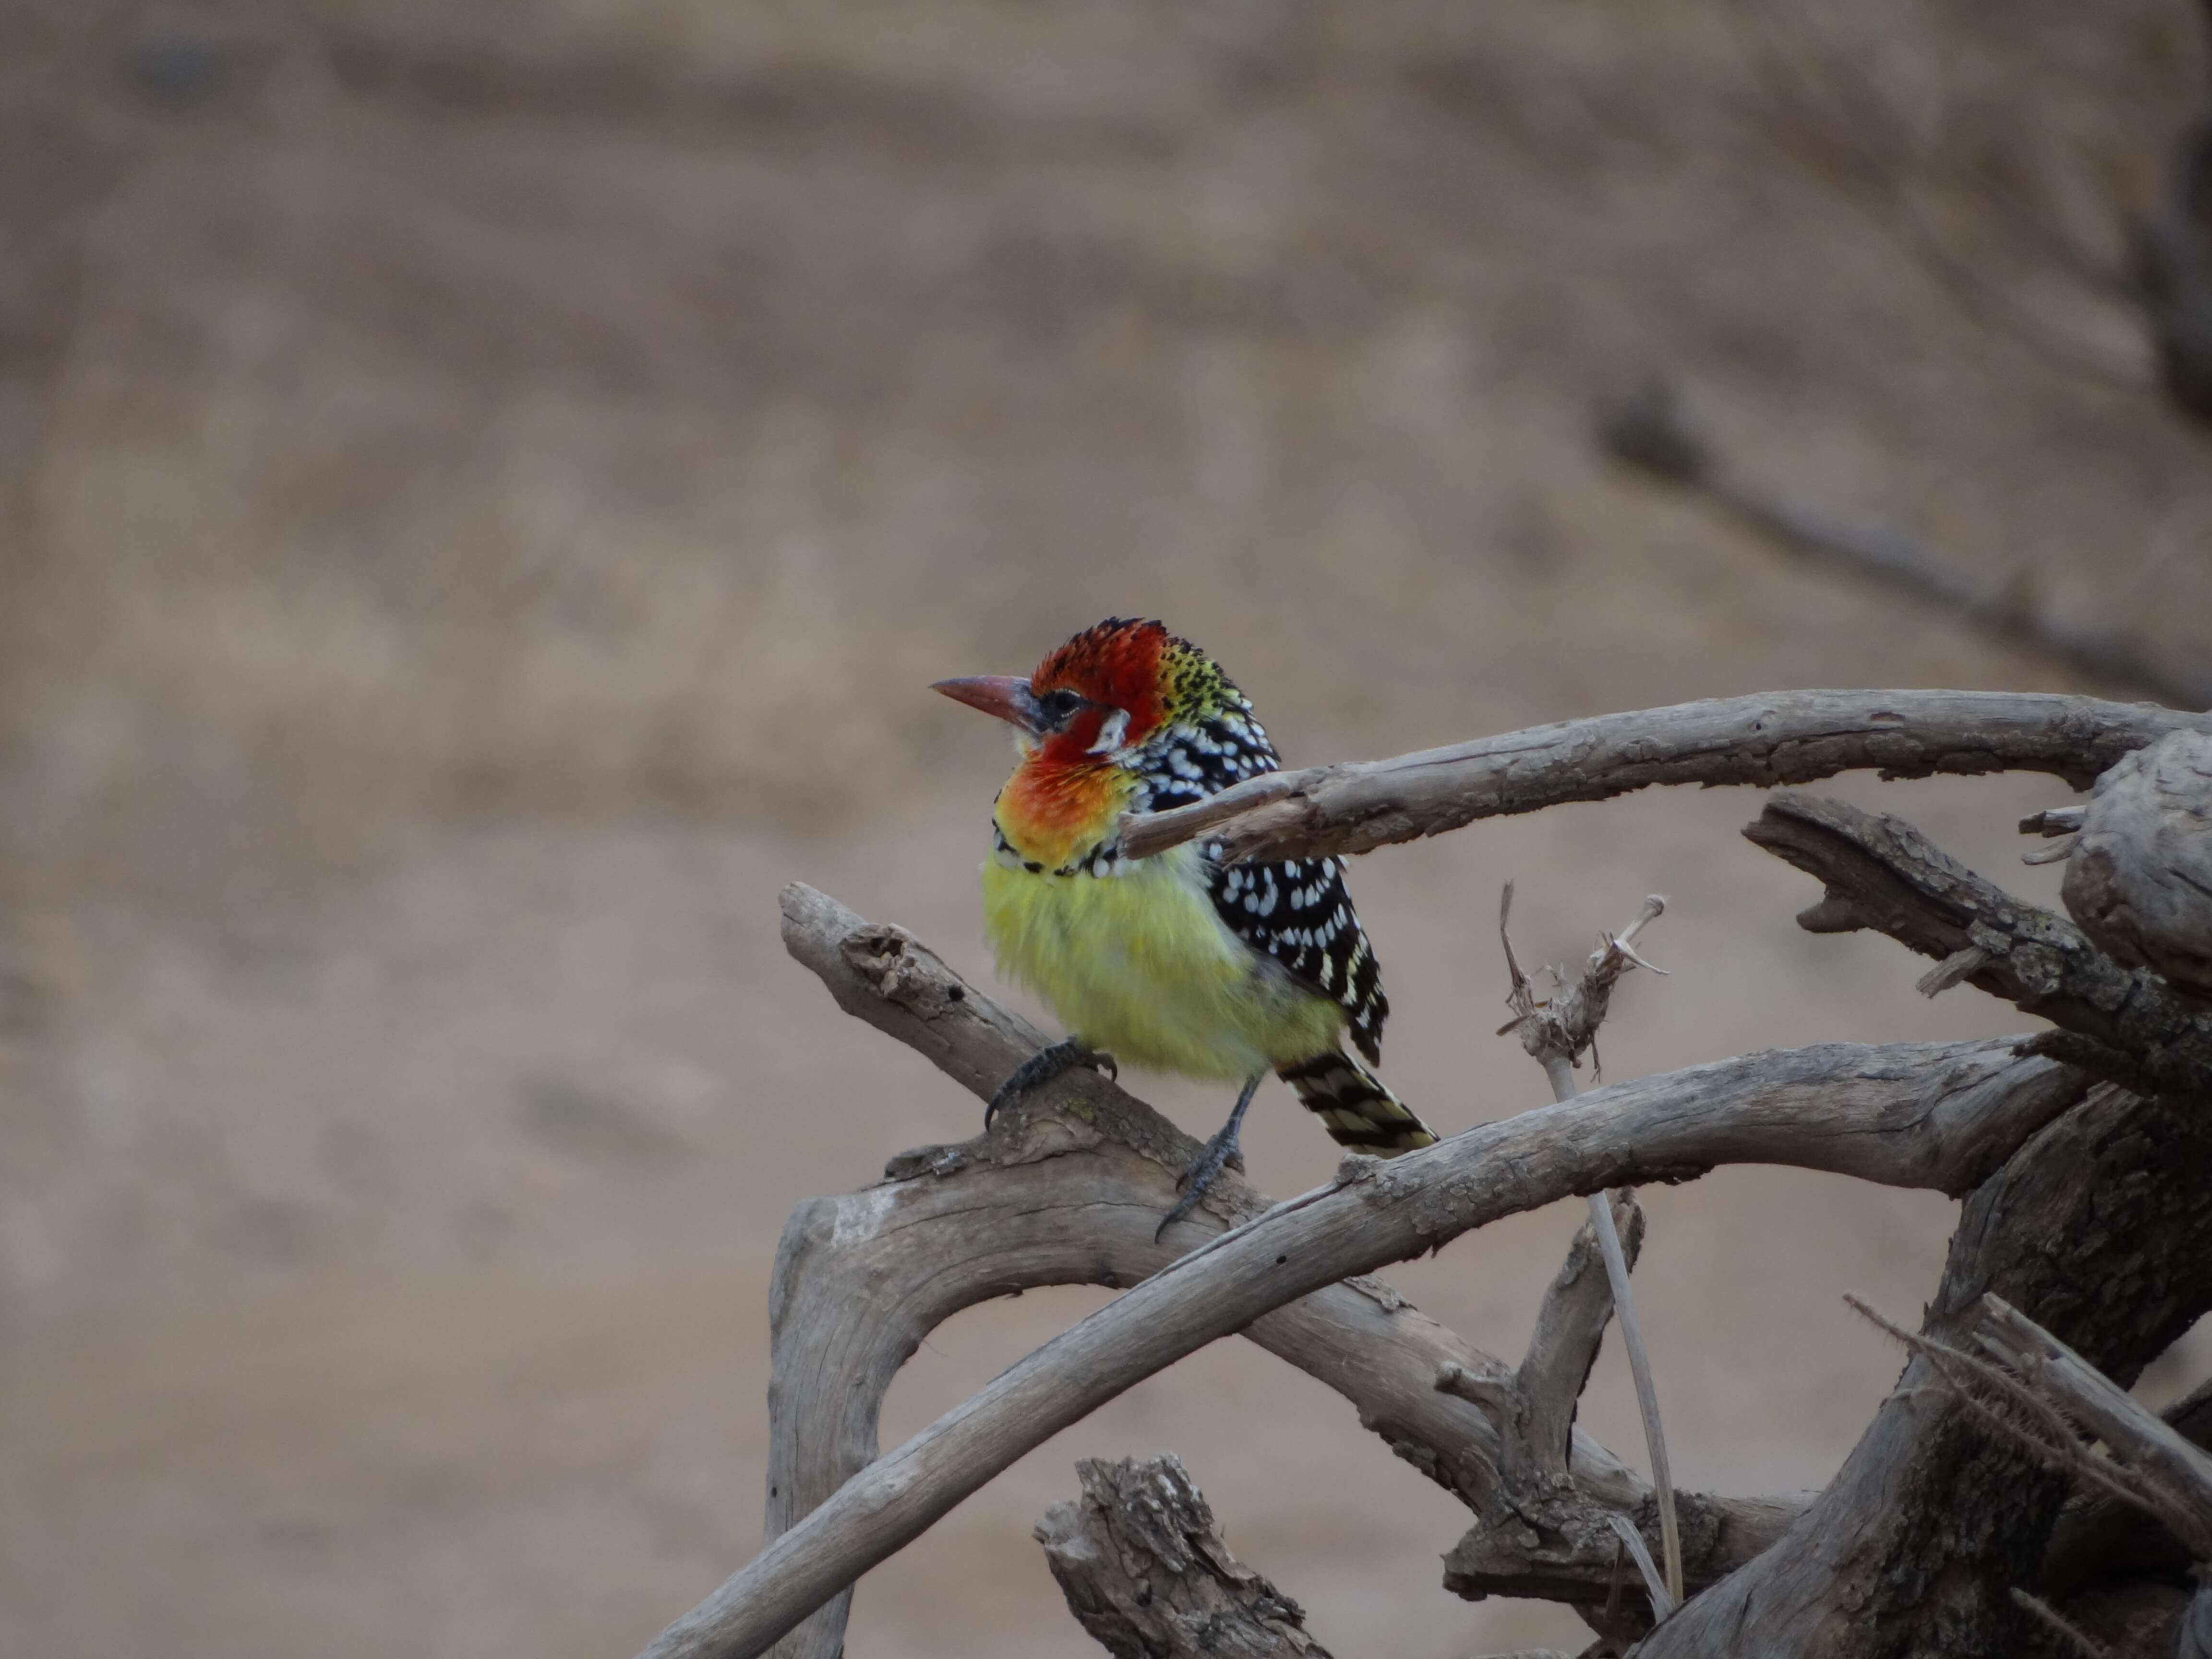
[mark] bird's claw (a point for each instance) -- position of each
(1217, 1154)
(1041, 1068)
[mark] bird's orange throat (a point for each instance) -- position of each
(1053, 812)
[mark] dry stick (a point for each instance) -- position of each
(1647, 431)
(2103, 1188)
(2048, 1432)
(1772, 738)
(1067, 1189)
(2060, 1395)
(1144, 1570)
(1880, 872)
(1555, 1034)
(2168, 1465)
(1836, 1107)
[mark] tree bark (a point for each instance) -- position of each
(1835, 1108)
(1146, 1572)
(2098, 1230)
(2139, 879)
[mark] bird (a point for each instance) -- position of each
(1182, 962)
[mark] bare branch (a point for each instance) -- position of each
(1146, 1572)
(1647, 431)
(1663, 1598)
(1914, 1116)
(2099, 1540)
(1775, 738)
(2037, 1425)
(1569, 1326)
(1882, 873)
(2178, 1473)
(2098, 1224)
(1066, 1190)
(1553, 1033)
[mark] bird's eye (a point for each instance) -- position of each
(1059, 705)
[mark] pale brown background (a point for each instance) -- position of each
(485, 486)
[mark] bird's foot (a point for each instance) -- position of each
(1041, 1067)
(1217, 1155)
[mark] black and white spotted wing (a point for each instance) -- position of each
(1299, 912)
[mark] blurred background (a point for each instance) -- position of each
(483, 487)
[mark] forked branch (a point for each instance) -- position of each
(1882, 873)
(2028, 1385)
(1555, 1032)
(1939, 1116)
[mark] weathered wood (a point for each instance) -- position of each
(1773, 739)
(1570, 1327)
(2173, 1478)
(1146, 1572)
(1536, 1532)
(2139, 879)
(1927, 1114)
(1067, 1189)
(2097, 1225)
(1554, 1031)
(1881, 873)
(2102, 1541)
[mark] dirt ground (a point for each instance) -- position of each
(485, 488)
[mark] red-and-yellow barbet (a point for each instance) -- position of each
(1177, 962)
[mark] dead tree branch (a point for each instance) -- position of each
(2098, 1224)
(1647, 431)
(1883, 874)
(1781, 737)
(2096, 1227)
(1066, 1190)
(1146, 1572)
(2102, 1541)
(2172, 1479)
(2045, 1397)
(1570, 1328)
(1939, 1116)
(1554, 1033)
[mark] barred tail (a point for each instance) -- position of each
(1353, 1105)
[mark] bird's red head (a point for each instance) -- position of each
(1107, 690)
(1081, 716)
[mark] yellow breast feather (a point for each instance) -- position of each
(1138, 964)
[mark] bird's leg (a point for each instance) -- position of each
(1211, 1158)
(1041, 1067)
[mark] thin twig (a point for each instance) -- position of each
(2165, 1476)
(1648, 431)
(1663, 1601)
(1554, 1032)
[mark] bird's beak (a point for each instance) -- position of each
(1006, 695)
